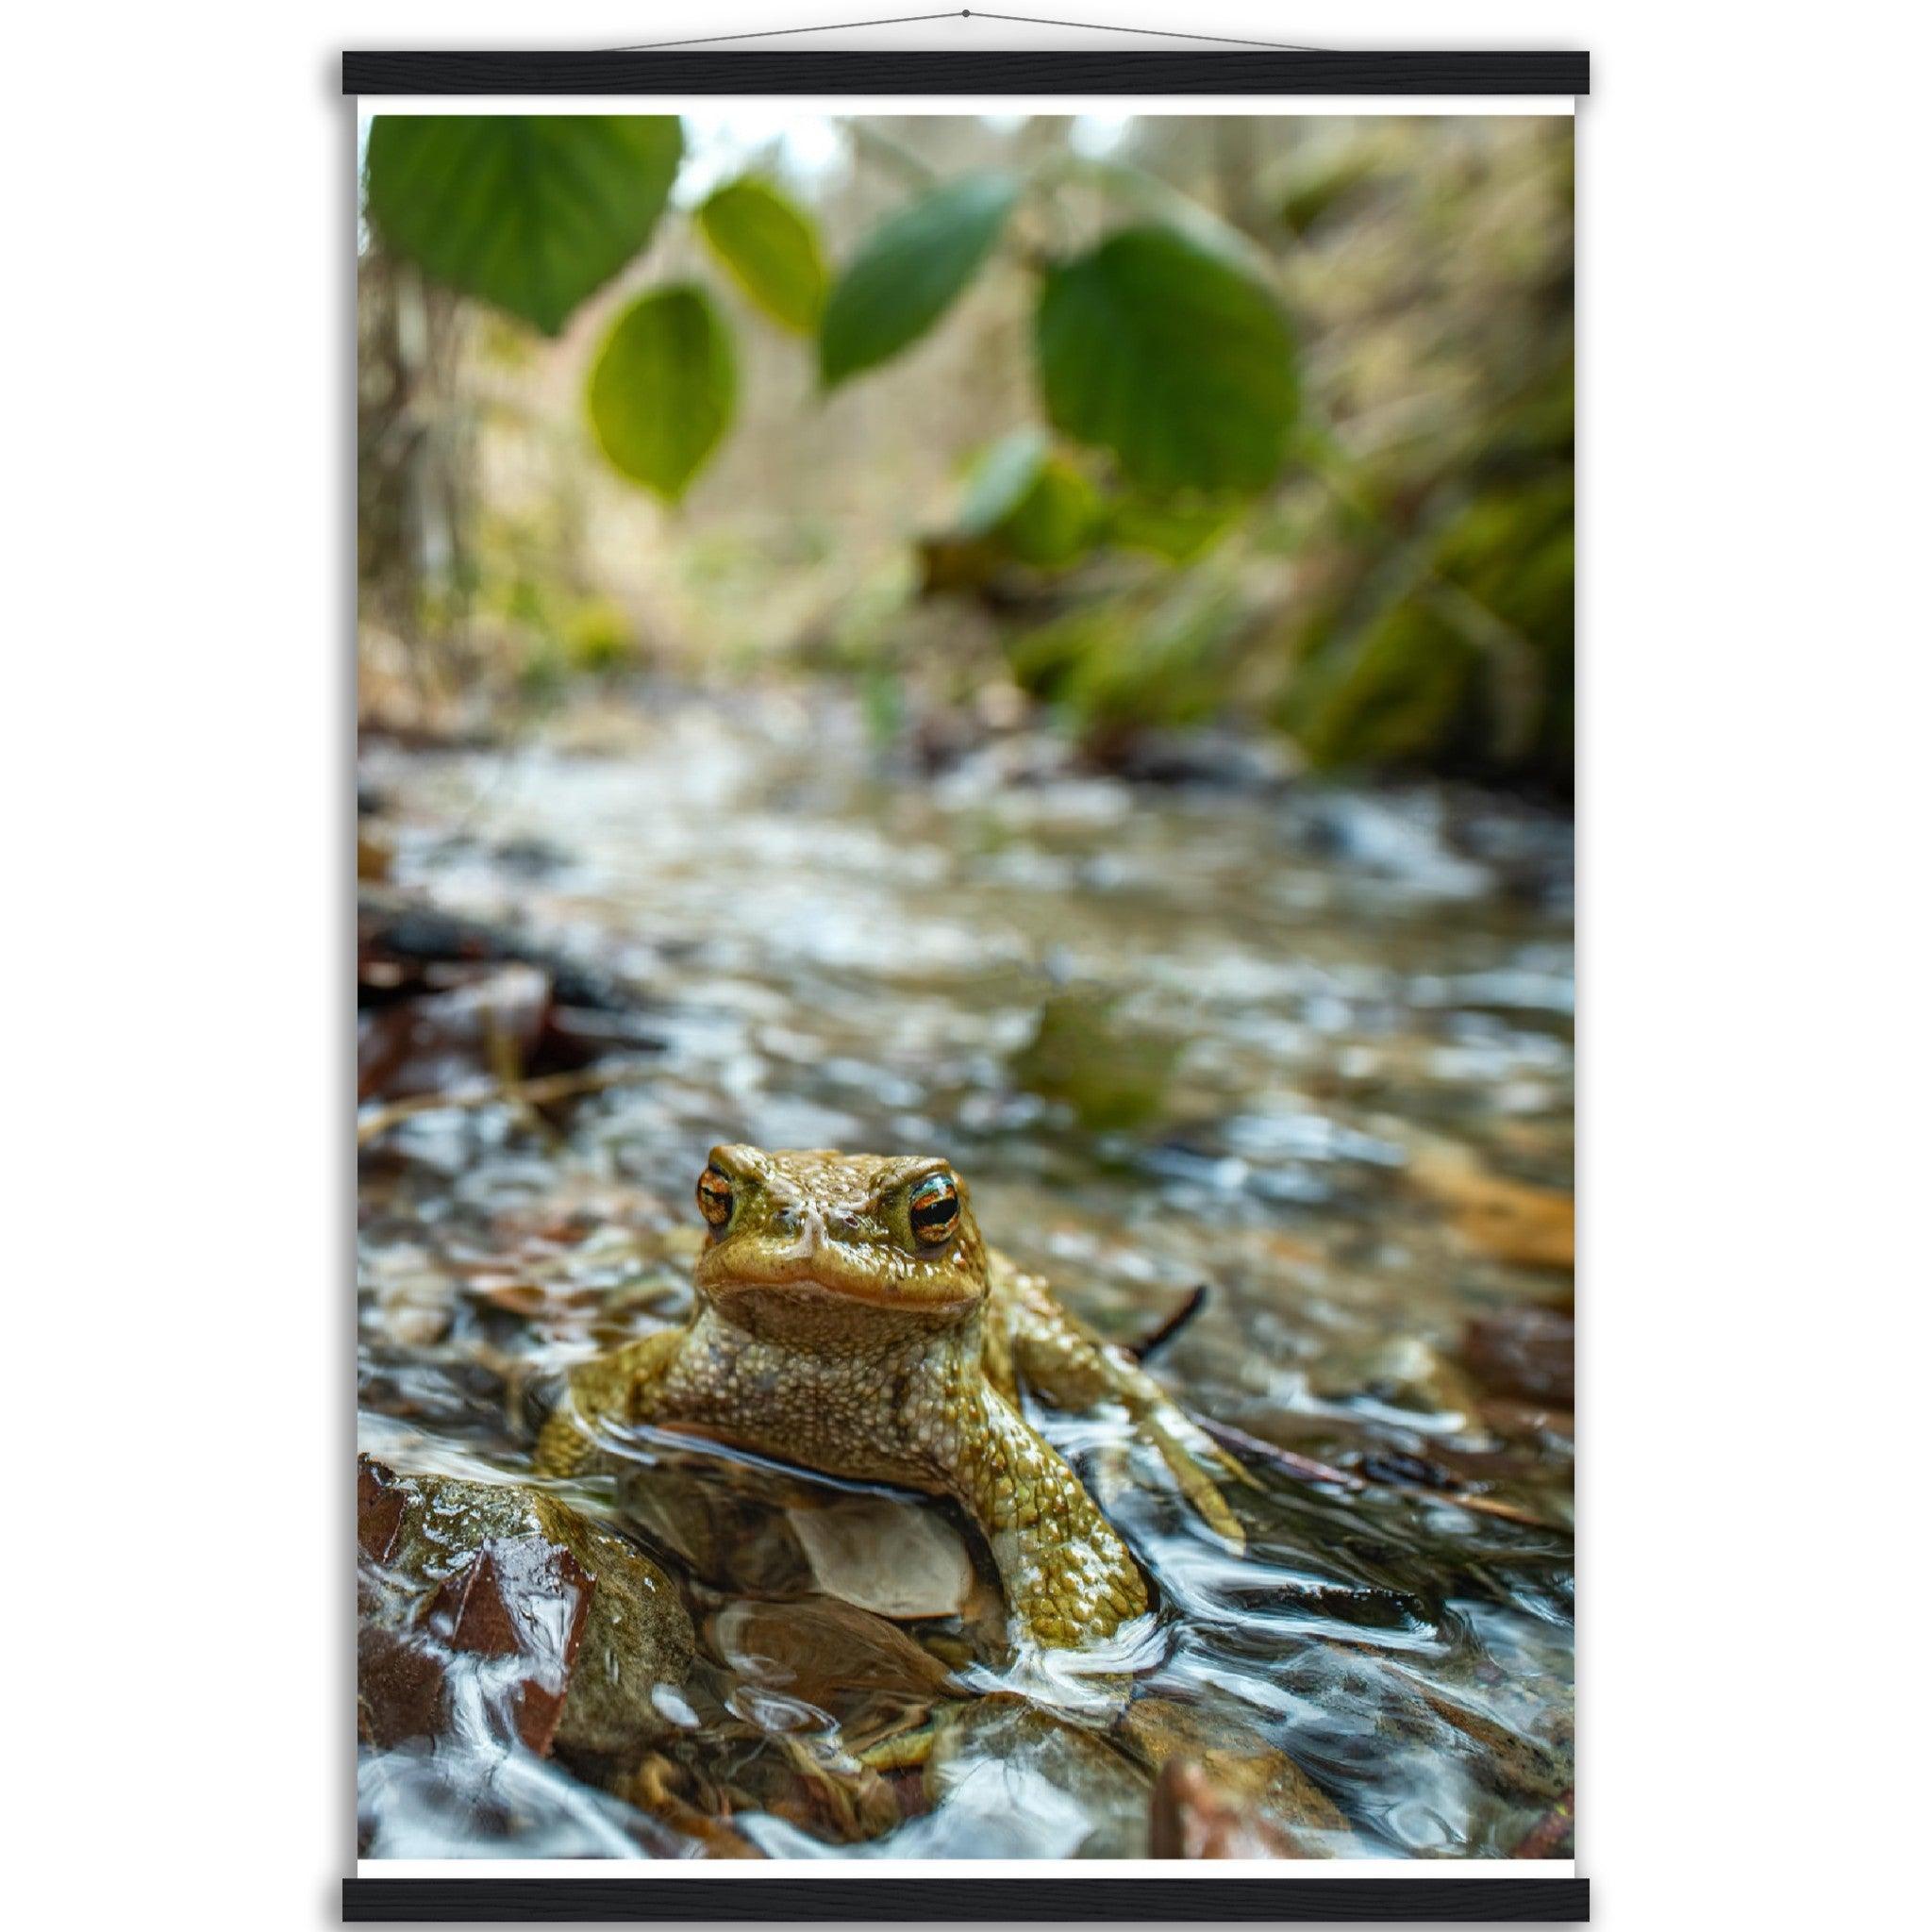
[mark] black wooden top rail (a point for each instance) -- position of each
(877, 72)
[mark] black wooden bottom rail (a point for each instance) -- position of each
(1022, 1901)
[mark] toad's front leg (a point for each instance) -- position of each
(1068, 1577)
(1066, 1365)
(618, 1388)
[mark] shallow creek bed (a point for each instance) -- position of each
(1290, 1061)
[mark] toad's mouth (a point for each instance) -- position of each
(913, 1288)
(870, 1294)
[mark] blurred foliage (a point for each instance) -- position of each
(1264, 421)
(531, 211)
(909, 273)
(771, 247)
(1164, 355)
(663, 387)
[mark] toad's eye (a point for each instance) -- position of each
(714, 1196)
(934, 1206)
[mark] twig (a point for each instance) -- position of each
(869, 141)
(1308, 1469)
(537, 1092)
(1150, 1344)
(1303, 1466)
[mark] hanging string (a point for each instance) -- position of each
(838, 26)
(772, 33)
(1166, 33)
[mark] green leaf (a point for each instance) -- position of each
(1000, 478)
(1055, 522)
(1171, 358)
(771, 247)
(530, 211)
(1036, 506)
(909, 271)
(663, 387)
(1179, 530)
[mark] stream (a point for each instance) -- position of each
(1304, 1047)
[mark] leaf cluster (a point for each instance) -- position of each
(1159, 351)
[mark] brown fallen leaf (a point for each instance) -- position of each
(491, 1023)
(1529, 1353)
(374, 853)
(1508, 1221)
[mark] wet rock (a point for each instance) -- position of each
(1218, 761)
(1554, 1835)
(897, 1560)
(1400, 1372)
(561, 1632)
(866, 1676)
(520, 1597)
(380, 1503)
(1006, 1772)
(1521, 1769)
(413, 1299)
(1190, 1816)
(1222, 1790)
(1403, 836)
(1113, 1076)
(1529, 1353)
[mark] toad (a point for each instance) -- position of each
(849, 1318)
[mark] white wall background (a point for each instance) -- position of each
(1754, 431)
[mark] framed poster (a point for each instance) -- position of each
(965, 1098)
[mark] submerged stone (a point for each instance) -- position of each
(1006, 1779)
(1223, 1791)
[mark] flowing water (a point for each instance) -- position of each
(1307, 1046)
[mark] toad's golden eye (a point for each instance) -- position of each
(934, 1206)
(714, 1196)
